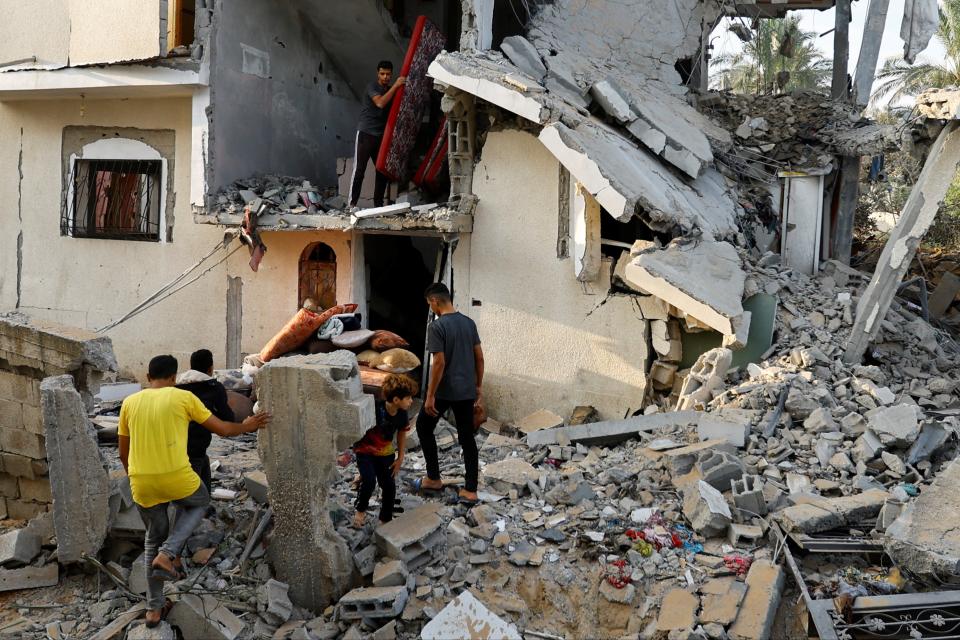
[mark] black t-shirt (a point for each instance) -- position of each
(373, 119)
(378, 440)
(455, 335)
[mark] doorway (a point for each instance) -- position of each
(318, 275)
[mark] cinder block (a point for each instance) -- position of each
(390, 573)
(37, 490)
(375, 602)
(16, 465)
(32, 419)
(205, 617)
(411, 537)
(748, 497)
(9, 487)
(20, 510)
(22, 443)
(11, 414)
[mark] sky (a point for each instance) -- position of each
(822, 22)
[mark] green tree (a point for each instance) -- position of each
(780, 55)
(897, 79)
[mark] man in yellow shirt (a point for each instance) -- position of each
(153, 449)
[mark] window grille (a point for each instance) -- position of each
(114, 199)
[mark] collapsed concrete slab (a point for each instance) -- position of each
(676, 139)
(298, 451)
(612, 431)
(759, 608)
(925, 538)
(523, 54)
(703, 279)
(815, 514)
(29, 577)
(467, 617)
(628, 181)
(79, 480)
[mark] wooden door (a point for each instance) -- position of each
(318, 275)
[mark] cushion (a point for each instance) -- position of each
(352, 339)
(299, 329)
(386, 340)
(398, 361)
(369, 358)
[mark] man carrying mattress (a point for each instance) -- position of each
(373, 121)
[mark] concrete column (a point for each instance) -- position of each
(234, 321)
(917, 216)
(842, 241)
(319, 409)
(841, 49)
(870, 50)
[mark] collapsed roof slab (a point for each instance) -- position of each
(701, 278)
(624, 179)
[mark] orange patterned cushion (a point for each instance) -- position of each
(300, 327)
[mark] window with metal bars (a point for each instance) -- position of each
(114, 199)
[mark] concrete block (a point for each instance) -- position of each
(719, 468)
(721, 598)
(749, 532)
(79, 483)
(37, 490)
(204, 618)
(678, 611)
(759, 607)
(713, 299)
(706, 375)
(611, 99)
(815, 514)
(896, 426)
(706, 509)
(298, 452)
(412, 537)
(467, 617)
(373, 602)
(22, 442)
(29, 577)
(274, 598)
(510, 473)
(944, 295)
(137, 580)
(19, 546)
(716, 427)
(255, 482)
(539, 420)
(11, 414)
(613, 431)
(748, 497)
(9, 486)
(16, 465)
(20, 510)
(390, 573)
(525, 56)
(52, 348)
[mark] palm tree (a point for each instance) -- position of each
(897, 79)
(780, 55)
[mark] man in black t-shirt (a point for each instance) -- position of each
(456, 378)
(373, 120)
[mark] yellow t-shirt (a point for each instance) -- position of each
(157, 421)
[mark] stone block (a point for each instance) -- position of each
(20, 510)
(390, 573)
(52, 348)
(204, 618)
(759, 607)
(9, 486)
(255, 482)
(721, 599)
(718, 427)
(79, 484)
(37, 490)
(815, 514)
(23, 443)
(925, 537)
(33, 419)
(11, 414)
(896, 426)
(18, 387)
(15, 465)
(412, 537)
(273, 595)
(29, 577)
(706, 509)
(467, 617)
(19, 546)
(510, 473)
(678, 611)
(373, 602)
(298, 451)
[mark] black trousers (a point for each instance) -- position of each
(375, 470)
(201, 466)
(463, 416)
(367, 148)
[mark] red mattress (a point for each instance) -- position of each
(429, 172)
(408, 106)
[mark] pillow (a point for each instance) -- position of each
(386, 340)
(398, 361)
(298, 329)
(352, 339)
(369, 358)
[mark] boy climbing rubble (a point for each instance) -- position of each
(375, 451)
(153, 449)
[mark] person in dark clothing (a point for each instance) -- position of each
(456, 379)
(200, 382)
(375, 451)
(373, 121)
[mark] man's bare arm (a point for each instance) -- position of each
(478, 365)
(124, 442)
(228, 429)
(384, 101)
(437, 367)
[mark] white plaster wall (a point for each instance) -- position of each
(549, 341)
(89, 283)
(78, 32)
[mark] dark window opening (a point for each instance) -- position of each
(115, 199)
(617, 237)
(182, 28)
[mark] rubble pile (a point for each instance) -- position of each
(283, 194)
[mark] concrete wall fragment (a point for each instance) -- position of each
(318, 409)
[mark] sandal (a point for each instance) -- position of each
(160, 573)
(164, 610)
(417, 486)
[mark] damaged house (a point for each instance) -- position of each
(588, 227)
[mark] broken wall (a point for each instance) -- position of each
(31, 350)
(64, 33)
(549, 340)
(280, 105)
